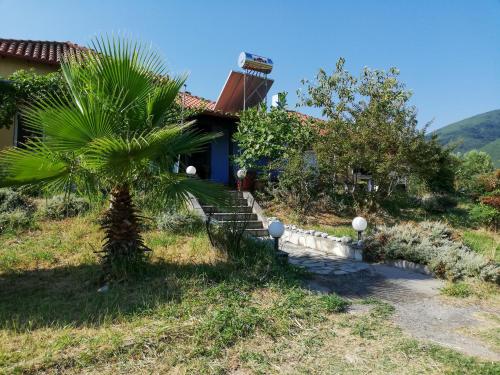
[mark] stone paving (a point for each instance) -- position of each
(419, 310)
(320, 262)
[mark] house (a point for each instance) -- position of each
(220, 116)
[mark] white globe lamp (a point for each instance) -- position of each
(359, 224)
(191, 171)
(241, 174)
(276, 230)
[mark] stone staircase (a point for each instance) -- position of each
(239, 212)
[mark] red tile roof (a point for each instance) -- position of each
(195, 102)
(201, 104)
(45, 52)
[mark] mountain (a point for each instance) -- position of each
(480, 132)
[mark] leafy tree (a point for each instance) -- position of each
(439, 173)
(265, 137)
(472, 166)
(371, 129)
(475, 162)
(111, 134)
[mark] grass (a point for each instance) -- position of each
(337, 231)
(473, 292)
(483, 242)
(192, 311)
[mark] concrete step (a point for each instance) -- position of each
(239, 201)
(236, 194)
(257, 232)
(233, 216)
(250, 224)
(236, 209)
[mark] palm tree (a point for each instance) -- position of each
(112, 133)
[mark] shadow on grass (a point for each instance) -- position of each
(65, 297)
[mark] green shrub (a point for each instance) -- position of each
(16, 210)
(179, 222)
(398, 201)
(339, 203)
(438, 203)
(62, 206)
(482, 215)
(228, 237)
(298, 184)
(492, 200)
(461, 290)
(11, 200)
(15, 220)
(431, 244)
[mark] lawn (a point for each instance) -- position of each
(191, 311)
(483, 242)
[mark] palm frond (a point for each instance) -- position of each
(65, 127)
(35, 164)
(169, 189)
(129, 69)
(119, 154)
(160, 103)
(192, 141)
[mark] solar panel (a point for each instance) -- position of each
(242, 91)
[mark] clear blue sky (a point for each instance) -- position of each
(448, 52)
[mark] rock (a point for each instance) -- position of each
(294, 227)
(310, 231)
(317, 234)
(360, 243)
(103, 289)
(338, 239)
(331, 238)
(324, 235)
(346, 239)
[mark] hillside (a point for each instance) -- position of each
(481, 132)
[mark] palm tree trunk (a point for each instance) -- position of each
(124, 248)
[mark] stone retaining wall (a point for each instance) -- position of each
(340, 246)
(410, 266)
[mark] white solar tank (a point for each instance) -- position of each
(254, 62)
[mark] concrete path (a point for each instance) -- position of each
(419, 309)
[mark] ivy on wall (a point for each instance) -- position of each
(25, 86)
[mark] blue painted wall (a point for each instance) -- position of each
(220, 155)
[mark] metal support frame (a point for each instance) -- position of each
(257, 74)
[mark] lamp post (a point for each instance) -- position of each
(241, 174)
(359, 224)
(276, 230)
(191, 171)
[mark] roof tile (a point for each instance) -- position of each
(46, 52)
